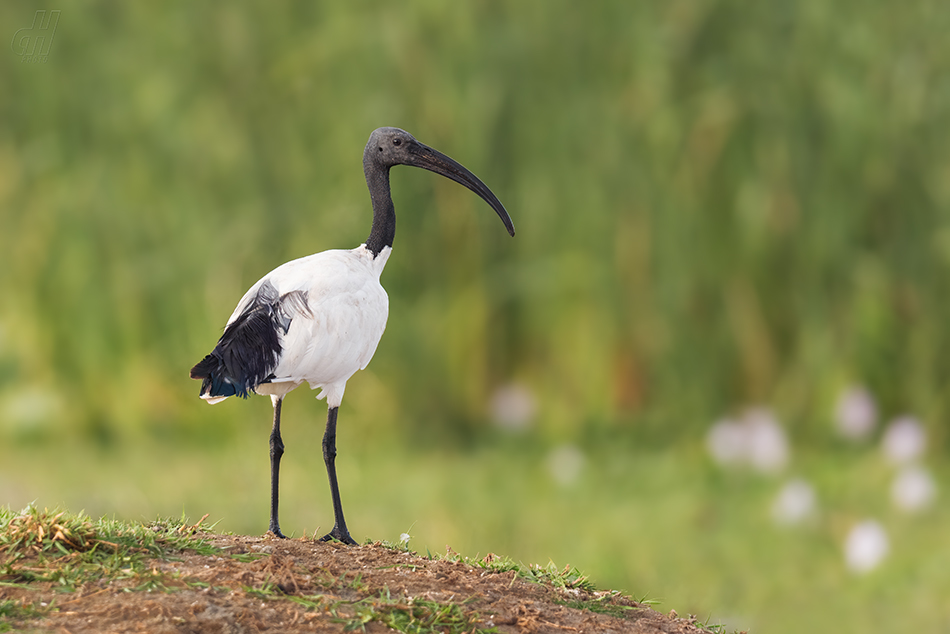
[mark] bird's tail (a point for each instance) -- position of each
(215, 383)
(248, 351)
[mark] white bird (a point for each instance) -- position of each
(319, 319)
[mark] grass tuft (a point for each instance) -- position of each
(35, 531)
(602, 603)
(69, 549)
(12, 612)
(412, 615)
(568, 578)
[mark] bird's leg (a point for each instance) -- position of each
(276, 451)
(339, 531)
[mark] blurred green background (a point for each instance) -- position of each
(719, 205)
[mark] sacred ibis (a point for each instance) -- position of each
(319, 319)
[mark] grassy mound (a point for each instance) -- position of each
(64, 570)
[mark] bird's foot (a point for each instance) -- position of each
(275, 531)
(340, 536)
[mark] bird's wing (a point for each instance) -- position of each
(249, 350)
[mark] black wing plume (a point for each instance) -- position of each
(249, 350)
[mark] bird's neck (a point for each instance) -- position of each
(384, 213)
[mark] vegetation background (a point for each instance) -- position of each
(719, 204)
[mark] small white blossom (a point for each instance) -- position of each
(794, 504)
(904, 440)
(913, 489)
(855, 413)
(726, 442)
(768, 446)
(513, 407)
(756, 440)
(866, 546)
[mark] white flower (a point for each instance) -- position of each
(794, 504)
(855, 413)
(756, 440)
(866, 546)
(904, 440)
(913, 489)
(513, 407)
(768, 447)
(565, 464)
(726, 442)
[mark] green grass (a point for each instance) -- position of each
(12, 612)
(72, 549)
(414, 615)
(417, 614)
(656, 523)
(567, 578)
(603, 604)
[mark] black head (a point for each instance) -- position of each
(391, 146)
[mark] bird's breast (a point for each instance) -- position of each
(348, 309)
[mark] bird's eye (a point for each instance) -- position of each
(397, 141)
(380, 148)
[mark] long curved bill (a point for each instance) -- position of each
(435, 161)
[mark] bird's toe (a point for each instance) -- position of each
(340, 536)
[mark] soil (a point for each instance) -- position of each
(264, 584)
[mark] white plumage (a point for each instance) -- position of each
(336, 332)
(318, 319)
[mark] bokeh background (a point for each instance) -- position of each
(733, 237)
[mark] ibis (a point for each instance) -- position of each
(318, 319)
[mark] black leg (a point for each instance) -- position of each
(339, 531)
(276, 451)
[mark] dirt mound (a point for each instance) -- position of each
(263, 584)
